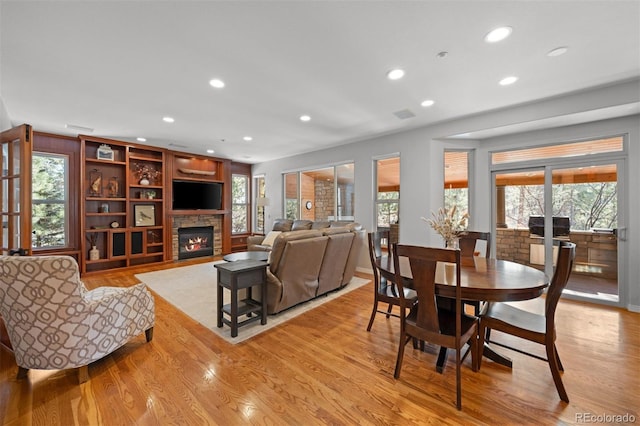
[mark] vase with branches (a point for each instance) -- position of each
(449, 223)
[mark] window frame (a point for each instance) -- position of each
(65, 201)
(245, 205)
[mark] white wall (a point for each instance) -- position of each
(5, 122)
(421, 165)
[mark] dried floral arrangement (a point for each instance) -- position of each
(449, 223)
(92, 238)
(145, 171)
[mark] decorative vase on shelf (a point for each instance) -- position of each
(144, 181)
(94, 254)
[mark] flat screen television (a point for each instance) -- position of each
(190, 195)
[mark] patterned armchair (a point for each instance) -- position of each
(54, 322)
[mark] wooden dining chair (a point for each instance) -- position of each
(427, 321)
(469, 240)
(467, 244)
(384, 290)
(536, 328)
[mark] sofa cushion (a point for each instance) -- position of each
(270, 238)
(282, 225)
(301, 225)
(320, 224)
(336, 230)
(353, 226)
(280, 243)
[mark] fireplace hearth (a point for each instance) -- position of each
(195, 241)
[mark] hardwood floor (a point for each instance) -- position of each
(323, 367)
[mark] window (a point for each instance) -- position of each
(320, 194)
(240, 204)
(291, 203)
(456, 180)
(586, 195)
(387, 192)
(346, 194)
(261, 203)
(50, 200)
(574, 149)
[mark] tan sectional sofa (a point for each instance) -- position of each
(309, 261)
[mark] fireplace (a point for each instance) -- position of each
(195, 241)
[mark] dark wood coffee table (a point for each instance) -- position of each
(247, 255)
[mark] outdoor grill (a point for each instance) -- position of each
(561, 226)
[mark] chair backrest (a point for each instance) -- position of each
(564, 265)
(36, 292)
(375, 251)
(468, 242)
(424, 262)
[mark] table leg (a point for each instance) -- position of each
(495, 356)
(263, 298)
(234, 306)
(219, 302)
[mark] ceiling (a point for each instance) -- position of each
(117, 68)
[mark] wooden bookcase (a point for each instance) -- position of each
(122, 214)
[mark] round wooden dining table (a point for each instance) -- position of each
(481, 279)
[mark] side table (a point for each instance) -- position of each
(242, 274)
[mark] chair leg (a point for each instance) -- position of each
(149, 334)
(403, 341)
(473, 342)
(22, 373)
(481, 339)
(458, 380)
(555, 349)
(83, 374)
(552, 357)
(373, 315)
(389, 310)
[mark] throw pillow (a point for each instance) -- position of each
(270, 238)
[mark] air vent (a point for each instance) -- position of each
(404, 114)
(79, 128)
(177, 145)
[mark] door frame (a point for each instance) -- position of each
(24, 136)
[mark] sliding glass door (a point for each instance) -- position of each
(579, 202)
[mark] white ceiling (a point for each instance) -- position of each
(119, 67)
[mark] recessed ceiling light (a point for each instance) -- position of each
(427, 103)
(558, 51)
(141, 139)
(210, 151)
(305, 118)
(217, 83)
(168, 119)
(395, 74)
(508, 80)
(247, 138)
(498, 34)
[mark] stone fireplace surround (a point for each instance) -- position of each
(190, 220)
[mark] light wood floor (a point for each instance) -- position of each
(323, 367)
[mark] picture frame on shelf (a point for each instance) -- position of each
(144, 214)
(105, 153)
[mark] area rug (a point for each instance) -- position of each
(192, 289)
